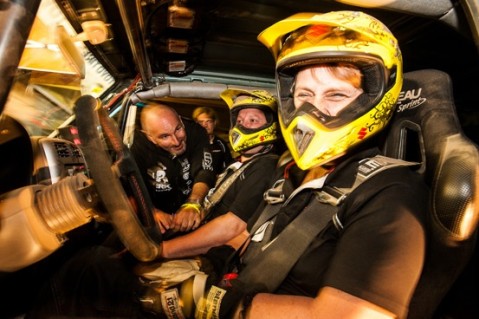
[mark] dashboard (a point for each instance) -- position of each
(54, 159)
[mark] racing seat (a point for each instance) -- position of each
(426, 129)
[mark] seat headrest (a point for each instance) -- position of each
(425, 128)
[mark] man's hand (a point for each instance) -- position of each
(187, 218)
(164, 220)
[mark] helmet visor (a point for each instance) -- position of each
(243, 138)
(373, 85)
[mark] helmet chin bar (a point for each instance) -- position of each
(35, 218)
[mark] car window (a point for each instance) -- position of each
(56, 68)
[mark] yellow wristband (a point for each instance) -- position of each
(195, 206)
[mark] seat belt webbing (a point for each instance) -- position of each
(272, 265)
(224, 183)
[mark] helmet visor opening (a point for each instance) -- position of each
(243, 138)
(374, 81)
(269, 114)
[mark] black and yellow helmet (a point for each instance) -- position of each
(242, 138)
(349, 37)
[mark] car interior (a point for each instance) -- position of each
(74, 74)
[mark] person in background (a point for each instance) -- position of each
(252, 134)
(177, 168)
(207, 117)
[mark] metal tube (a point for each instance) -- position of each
(130, 13)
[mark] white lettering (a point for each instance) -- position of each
(171, 305)
(409, 94)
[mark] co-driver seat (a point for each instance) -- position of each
(426, 129)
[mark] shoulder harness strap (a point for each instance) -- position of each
(223, 183)
(367, 168)
(282, 252)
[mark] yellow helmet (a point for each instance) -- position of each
(350, 37)
(242, 138)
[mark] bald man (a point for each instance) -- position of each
(173, 158)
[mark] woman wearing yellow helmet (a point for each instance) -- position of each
(339, 75)
(335, 38)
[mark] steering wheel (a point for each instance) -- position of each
(141, 239)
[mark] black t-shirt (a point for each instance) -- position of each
(378, 255)
(246, 193)
(170, 179)
(221, 155)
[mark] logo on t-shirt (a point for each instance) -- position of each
(207, 161)
(185, 168)
(158, 178)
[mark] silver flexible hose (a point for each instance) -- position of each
(67, 204)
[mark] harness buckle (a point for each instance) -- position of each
(275, 195)
(331, 195)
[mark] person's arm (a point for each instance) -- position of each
(198, 192)
(214, 233)
(330, 303)
(189, 215)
